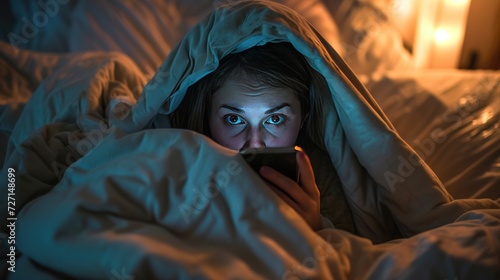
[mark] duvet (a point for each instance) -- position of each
(105, 189)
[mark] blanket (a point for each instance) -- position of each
(105, 188)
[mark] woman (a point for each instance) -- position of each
(261, 97)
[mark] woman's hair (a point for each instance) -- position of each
(277, 65)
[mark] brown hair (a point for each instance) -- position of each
(274, 64)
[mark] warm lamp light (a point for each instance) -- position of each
(441, 35)
(440, 32)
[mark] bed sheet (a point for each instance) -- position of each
(452, 119)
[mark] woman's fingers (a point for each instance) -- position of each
(307, 180)
(304, 198)
(285, 197)
(282, 182)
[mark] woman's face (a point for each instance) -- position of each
(245, 114)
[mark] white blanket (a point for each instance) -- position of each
(101, 194)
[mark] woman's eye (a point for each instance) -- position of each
(233, 119)
(275, 120)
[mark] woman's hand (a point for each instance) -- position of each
(304, 198)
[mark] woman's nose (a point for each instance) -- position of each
(255, 139)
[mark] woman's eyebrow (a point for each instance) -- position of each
(272, 110)
(234, 109)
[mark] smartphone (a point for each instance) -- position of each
(281, 159)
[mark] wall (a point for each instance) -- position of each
(482, 36)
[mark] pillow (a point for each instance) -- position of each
(316, 12)
(371, 43)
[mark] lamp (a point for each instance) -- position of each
(440, 32)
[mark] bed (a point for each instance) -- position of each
(76, 175)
